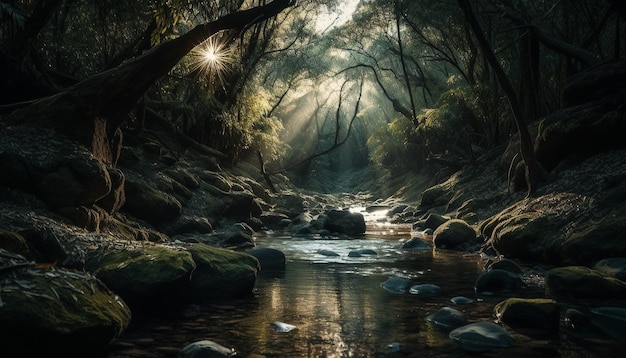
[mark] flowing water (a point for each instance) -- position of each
(338, 306)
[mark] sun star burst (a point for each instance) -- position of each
(212, 59)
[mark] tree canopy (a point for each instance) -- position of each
(408, 84)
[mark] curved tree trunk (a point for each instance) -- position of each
(92, 110)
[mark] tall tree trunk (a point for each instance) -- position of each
(92, 110)
(529, 77)
(533, 168)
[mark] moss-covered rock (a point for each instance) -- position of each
(144, 276)
(537, 317)
(154, 206)
(437, 195)
(453, 233)
(604, 238)
(578, 282)
(58, 313)
(220, 273)
(533, 229)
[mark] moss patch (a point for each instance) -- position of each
(221, 273)
(606, 238)
(145, 275)
(573, 282)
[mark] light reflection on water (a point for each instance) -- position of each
(338, 306)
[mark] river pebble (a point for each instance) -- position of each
(481, 336)
(425, 290)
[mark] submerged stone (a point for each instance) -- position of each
(481, 337)
(461, 300)
(580, 326)
(447, 319)
(362, 252)
(611, 320)
(329, 253)
(425, 290)
(396, 284)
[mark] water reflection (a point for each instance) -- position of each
(338, 306)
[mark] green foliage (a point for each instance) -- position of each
(248, 125)
(391, 145)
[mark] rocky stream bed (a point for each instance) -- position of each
(89, 245)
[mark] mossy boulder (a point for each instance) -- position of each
(58, 313)
(578, 282)
(453, 233)
(437, 195)
(604, 238)
(532, 229)
(144, 276)
(147, 203)
(220, 273)
(538, 317)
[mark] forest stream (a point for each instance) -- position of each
(340, 308)
(312, 178)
